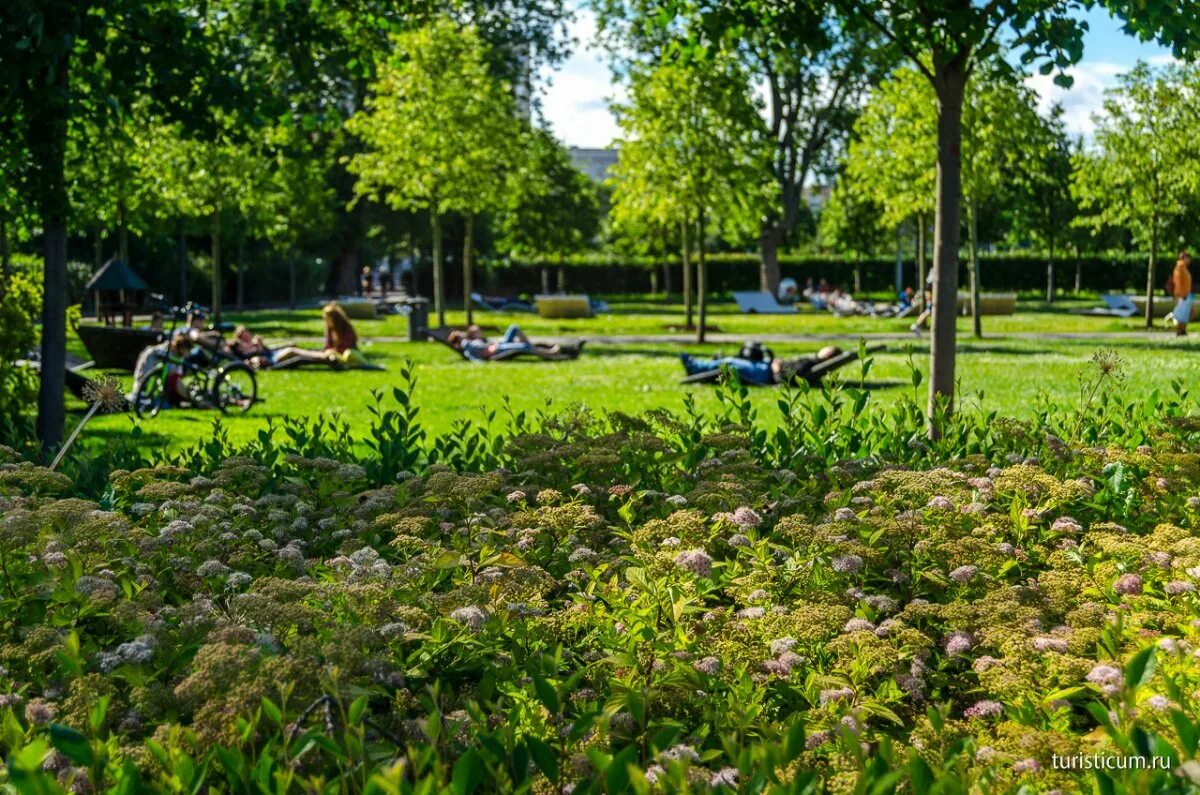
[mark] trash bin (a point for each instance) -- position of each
(418, 319)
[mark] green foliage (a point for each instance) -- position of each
(20, 303)
(550, 208)
(859, 606)
(440, 132)
(690, 147)
(1137, 176)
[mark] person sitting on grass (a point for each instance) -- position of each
(341, 346)
(476, 347)
(755, 364)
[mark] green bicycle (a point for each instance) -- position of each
(204, 378)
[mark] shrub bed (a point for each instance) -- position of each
(581, 603)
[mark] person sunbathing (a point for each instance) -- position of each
(341, 346)
(475, 346)
(755, 364)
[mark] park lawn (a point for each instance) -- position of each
(1006, 374)
(657, 317)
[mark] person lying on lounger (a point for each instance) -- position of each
(755, 364)
(341, 346)
(475, 346)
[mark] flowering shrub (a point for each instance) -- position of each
(645, 603)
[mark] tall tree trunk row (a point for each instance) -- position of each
(439, 301)
(48, 147)
(973, 250)
(687, 274)
(701, 280)
(951, 85)
(216, 266)
(468, 286)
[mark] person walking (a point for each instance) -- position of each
(1181, 288)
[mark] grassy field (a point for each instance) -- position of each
(655, 316)
(1007, 370)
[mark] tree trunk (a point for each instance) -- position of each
(950, 86)
(1151, 268)
(701, 281)
(216, 266)
(1050, 272)
(769, 239)
(562, 279)
(545, 280)
(653, 281)
(122, 232)
(922, 270)
(1078, 272)
(48, 149)
(241, 272)
(182, 261)
(899, 263)
(5, 274)
(857, 273)
(687, 275)
(292, 280)
(439, 302)
(666, 252)
(973, 248)
(468, 285)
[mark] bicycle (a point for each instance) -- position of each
(201, 381)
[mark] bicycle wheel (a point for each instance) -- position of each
(235, 389)
(149, 398)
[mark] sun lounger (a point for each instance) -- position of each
(567, 352)
(499, 304)
(1116, 305)
(813, 375)
(761, 302)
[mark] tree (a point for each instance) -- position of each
(63, 61)
(812, 66)
(945, 41)
(688, 128)
(1045, 207)
(1142, 170)
(852, 222)
(318, 62)
(440, 133)
(217, 179)
(551, 208)
(890, 159)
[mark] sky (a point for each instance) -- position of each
(576, 95)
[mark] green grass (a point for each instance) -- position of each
(1006, 373)
(656, 317)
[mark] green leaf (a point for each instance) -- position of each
(73, 744)
(616, 778)
(468, 773)
(919, 773)
(1140, 668)
(544, 757)
(546, 694)
(795, 741)
(357, 708)
(272, 711)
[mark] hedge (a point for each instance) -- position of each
(737, 271)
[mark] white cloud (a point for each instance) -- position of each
(1084, 98)
(575, 101)
(1086, 95)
